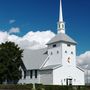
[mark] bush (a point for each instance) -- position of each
(16, 87)
(58, 87)
(42, 87)
(39, 87)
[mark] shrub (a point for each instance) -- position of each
(16, 87)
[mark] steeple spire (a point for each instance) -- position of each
(61, 24)
(61, 13)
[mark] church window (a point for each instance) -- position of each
(27, 73)
(57, 52)
(31, 73)
(61, 82)
(54, 45)
(68, 45)
(65, 51)
(71, 52)
(35, 73)
(62, 26)
(51, 53)
(59, 25)
(24, 74)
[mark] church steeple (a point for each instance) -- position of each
(61, 24)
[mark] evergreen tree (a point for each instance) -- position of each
(10, 62)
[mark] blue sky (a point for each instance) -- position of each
(42, 15)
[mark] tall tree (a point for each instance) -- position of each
(10, 62)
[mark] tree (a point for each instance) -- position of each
(10, 62)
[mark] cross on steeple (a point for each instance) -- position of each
(61, 24)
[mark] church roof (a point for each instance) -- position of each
(61, 37)
(51, 67)
(33, 59)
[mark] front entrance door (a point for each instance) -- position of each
(68, 81)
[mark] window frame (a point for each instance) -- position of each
(54, 45)
(31, 74)
(35, 73)
(68, 45)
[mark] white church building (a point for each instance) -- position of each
(54, 65)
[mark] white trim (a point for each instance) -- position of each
(45, 62)
(80, 68)
(57, 67)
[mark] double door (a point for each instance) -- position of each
(68, 81)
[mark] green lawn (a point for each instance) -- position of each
(42, 87)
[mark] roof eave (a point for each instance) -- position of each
(80, 68)
(51, 68)
(75, 43)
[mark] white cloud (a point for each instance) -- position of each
(3, 36)
(14, 30)
(84, 60)
(36, 40)
(40, 37)
(32, 40)
(12, 21)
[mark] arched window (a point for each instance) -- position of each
(57, 52)
(65, 51)
(51, 53)
(31, 73)
(24, 74)
(35, 73)
(71, 52)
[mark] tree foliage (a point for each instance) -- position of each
(10, 62)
